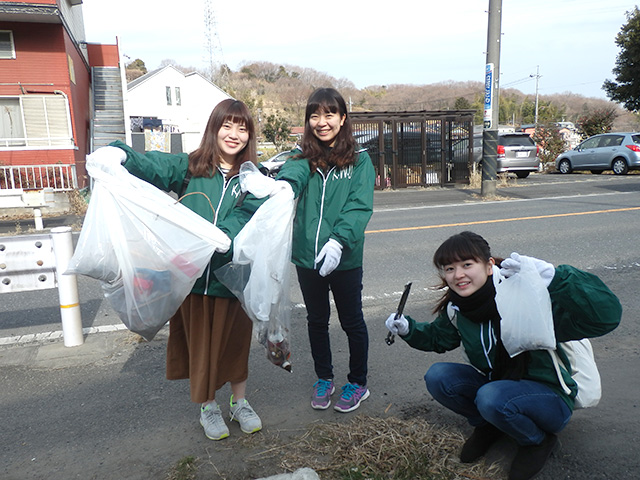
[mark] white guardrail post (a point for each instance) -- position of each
(67, 287)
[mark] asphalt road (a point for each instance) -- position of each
(104, 410)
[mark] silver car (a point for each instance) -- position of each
(619, 152)
(517, 153)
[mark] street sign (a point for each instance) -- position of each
(488, 95)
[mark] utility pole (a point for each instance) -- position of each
(537, 76)
(491, 103)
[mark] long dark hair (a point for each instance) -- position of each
(204, 160)
(343, 153)
(461, 246)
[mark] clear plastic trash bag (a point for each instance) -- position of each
(259, 274)
(524, 305)
(146, 249)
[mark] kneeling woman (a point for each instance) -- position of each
(522, 396)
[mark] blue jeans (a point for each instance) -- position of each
(346, 286)
(523, 409)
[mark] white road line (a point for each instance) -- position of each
(56, 335)
(507, 200)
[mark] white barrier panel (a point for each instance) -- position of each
(27, 263)
(37, 262)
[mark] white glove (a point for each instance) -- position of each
(511, 266)
(331, 253)
(225, 243)
(397, 326)
(108, 156)
(260, 185)
(255, 182)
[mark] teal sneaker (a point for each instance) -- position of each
(352, 395)
(242, 413)
(213, 423)
(321, 396)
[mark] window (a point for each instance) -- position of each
(168, 91)
(611, 141)
(590, 143)
(178, 99)
(35, 121)
(7, 47)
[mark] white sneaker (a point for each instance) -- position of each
(242, 413)
(213, 423)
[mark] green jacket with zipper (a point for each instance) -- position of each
(582, 306)
(334, 204)
(213, 198)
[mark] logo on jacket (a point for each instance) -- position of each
(343, 173)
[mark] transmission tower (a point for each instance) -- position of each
(213, 48)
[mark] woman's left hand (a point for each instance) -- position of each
(511, 266)
(331, 253)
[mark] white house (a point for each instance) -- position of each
(173, 101)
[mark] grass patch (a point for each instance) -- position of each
(502, 181)
(185, 469)
(79, 201)
(379, 449)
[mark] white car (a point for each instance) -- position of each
(271, 166)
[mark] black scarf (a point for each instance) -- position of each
(480, 307)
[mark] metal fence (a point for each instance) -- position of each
(58, 177)
(417, 148)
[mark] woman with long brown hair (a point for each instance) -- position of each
(210, 334)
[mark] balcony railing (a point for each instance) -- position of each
(58, 177)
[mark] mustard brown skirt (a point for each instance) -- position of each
(209, 343)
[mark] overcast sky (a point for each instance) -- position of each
(572, 42)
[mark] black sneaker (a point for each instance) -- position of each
(530, 460)
(479, 442)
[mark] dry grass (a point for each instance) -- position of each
(78, 202)
(475, 179)
(379, 448)
(185, 469)
(502, 180)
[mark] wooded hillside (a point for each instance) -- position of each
(279, 93)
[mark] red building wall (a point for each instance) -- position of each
(103, 55)
(80, 105)
(37, 2)
(45, 56)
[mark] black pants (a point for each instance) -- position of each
(346, 286)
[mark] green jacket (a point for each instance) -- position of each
(337, 204)
(582, 305)
(167, 171)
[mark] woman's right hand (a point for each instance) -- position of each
(108, 156)
(397, 326)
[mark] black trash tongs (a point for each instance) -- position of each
(390, 336)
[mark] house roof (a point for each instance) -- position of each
(140, 80)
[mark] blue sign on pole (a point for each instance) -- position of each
(488, 95)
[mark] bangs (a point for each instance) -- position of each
(324, 107)
(239, 115)
(464, 246)
(323, 100)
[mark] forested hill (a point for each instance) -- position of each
(281, 91)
